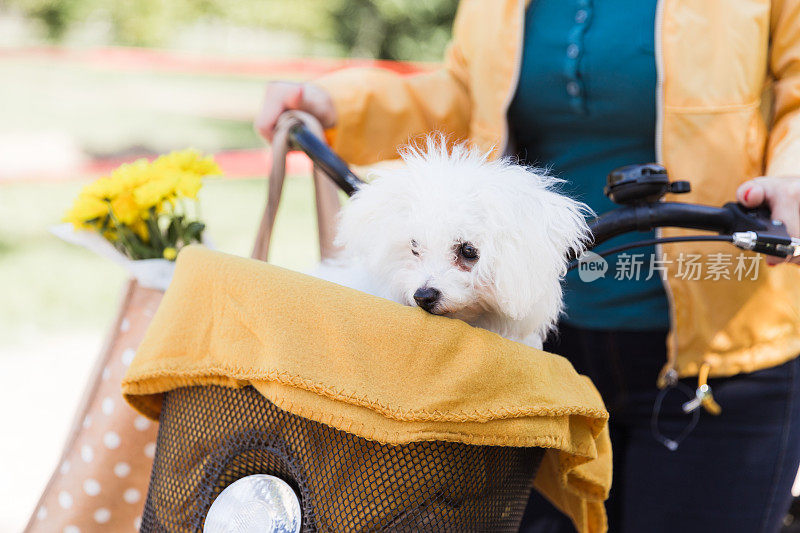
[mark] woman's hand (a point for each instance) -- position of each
(782, 195)
(283, 95)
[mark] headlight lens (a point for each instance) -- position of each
(258, 503)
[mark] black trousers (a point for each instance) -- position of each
(731, 472)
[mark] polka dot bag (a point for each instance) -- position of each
(101, 480)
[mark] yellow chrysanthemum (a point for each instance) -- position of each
(141, 197)
(153, 193)
(140, 229)
(189, 161)
(208, 167)
(132, 175)
(111, 235)
(86, 208)
(104, 188)
(188, 185)
(125, 208)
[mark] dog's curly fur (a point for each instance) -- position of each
(416, 227)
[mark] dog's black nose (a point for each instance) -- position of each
(426, 297)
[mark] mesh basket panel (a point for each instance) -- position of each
(211, 436)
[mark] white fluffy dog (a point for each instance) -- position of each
(462, 236)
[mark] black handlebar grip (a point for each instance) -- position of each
(325, 158)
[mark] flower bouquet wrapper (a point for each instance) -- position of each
(149, 273)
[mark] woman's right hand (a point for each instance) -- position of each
(282, 96)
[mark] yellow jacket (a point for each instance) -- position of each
(728, 108)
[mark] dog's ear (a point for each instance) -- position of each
(537, 231)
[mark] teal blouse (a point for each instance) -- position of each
(585, 105)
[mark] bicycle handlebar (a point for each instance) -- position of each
(752, 229)
(726, 220)
(325, 158)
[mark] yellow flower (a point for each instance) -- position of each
(125, 208)
(208, 167)
(188, 185)
(140, 229)
(189, 161)
(131, 175)
(86, 208)
(139, 197)
(104, 188)
(111, 235)
(153, 193)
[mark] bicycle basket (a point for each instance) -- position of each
(379, 415)
(211, 436)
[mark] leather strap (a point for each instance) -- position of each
(325, 191)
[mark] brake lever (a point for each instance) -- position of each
(754, 230)
(776, 245)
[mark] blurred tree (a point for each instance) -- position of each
(56, 15)
(150, 22)
(385, 29)
(393, 29)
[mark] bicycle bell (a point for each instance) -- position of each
(637, 184)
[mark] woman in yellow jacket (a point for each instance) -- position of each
(712, 91)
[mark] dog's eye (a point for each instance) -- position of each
(468, 251)
(414, 247)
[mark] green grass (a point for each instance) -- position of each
(116, 111)
(49, 286)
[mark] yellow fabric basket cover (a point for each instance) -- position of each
(375, 369)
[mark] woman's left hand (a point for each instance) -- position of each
(782, 195)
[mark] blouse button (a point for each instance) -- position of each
(573, 89)
(572, 51)
(580, 16)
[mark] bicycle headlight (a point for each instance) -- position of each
(258, 503)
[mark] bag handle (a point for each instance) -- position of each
(325, 192)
